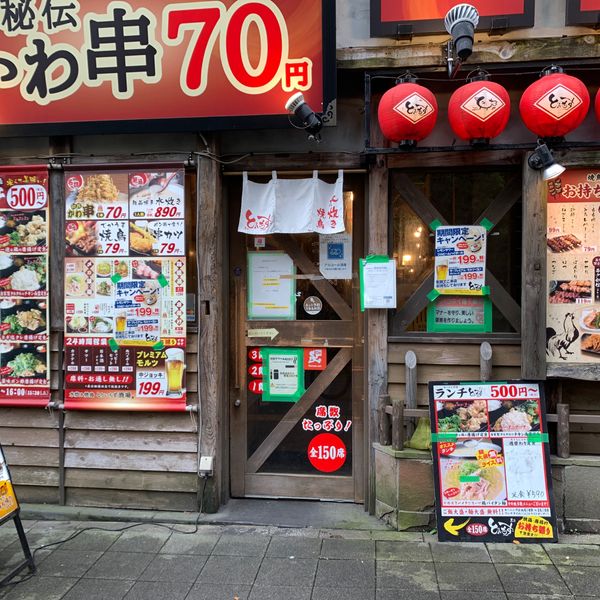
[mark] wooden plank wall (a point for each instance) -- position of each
(112, 459)
(461, 362)
(439, 362)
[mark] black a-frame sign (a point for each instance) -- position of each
(9, 510)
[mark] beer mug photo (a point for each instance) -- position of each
(174, 368)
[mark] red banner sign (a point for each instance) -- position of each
(393, 17)
(144, 59)
(24, 324)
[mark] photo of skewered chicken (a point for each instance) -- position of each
(564, 243)
(568, 292)
(98, 188)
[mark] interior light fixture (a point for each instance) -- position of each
(542, 160)
(311, 122)
(460, 22)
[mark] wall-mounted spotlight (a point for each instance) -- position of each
(460, 23)
(311, 122)
(542, 160)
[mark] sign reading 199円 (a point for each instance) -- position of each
(134, 60)
(491, 462)
(24, 355)
(125, 284)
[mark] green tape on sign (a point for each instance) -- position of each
(113, 344)
(487, 223)
(158, 346)
(116, 278)
(539, 438)
(433, 294)
(162, 280)
(435, 224)
(485, 290)
(469, 478)
(444, 436)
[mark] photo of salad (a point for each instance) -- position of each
(23, 361)
(104, 288)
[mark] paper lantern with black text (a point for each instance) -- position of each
(479, 111)
(407, 113)
(554, 105)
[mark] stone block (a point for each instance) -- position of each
(416, 485)
(581, 493)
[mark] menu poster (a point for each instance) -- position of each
(573, 268)
(24, 338)
(271, 286)
(8, 500)
(491, 462)
(460, 259)
(125, 291)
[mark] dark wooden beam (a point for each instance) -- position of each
(533, 265)
(503, 202)
(495, 52)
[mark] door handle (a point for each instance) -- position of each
(237, 403)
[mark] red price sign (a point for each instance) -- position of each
(151, 389)
(30, 196)
(327, 452)
(446, 448)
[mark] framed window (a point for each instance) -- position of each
(420, 200)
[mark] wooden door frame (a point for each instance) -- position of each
(345, 334)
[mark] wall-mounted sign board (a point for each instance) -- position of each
(394, 18)
(283, 374)
(464, 314)
(100, 66)
(491, 462)
(271, 286)
(573, 269)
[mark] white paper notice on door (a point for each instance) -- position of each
(335, 256)
(377, 282)
(271, 286)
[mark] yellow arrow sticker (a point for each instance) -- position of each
(453, 529)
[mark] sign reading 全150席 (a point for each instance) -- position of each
(132, 60)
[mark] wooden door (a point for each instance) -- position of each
(270, 441)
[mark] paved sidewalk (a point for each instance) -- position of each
(227, 562)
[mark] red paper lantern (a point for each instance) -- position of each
(407, 113)
(554, 105)
(479, 111)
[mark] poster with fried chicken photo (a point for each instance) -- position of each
(573, 268)
(24, 352)
(125, 274)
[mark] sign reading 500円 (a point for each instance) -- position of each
(141, 56)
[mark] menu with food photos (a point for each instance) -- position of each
(125, 285)
(573, 268)
(24, 331)
(491, 462)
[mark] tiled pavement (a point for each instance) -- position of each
(269, 563)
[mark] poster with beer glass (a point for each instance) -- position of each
(125, 286)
